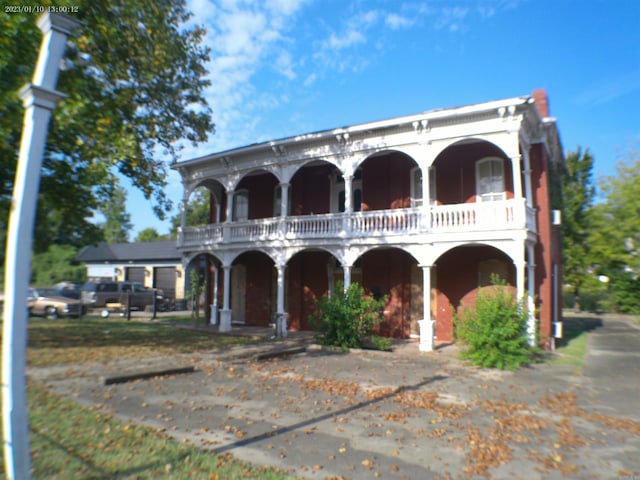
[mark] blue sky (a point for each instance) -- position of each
(284, 67)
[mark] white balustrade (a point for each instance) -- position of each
(465, 217)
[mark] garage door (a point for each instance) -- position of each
(135, 274)
(164, 278)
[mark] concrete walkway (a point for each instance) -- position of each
(399, 415)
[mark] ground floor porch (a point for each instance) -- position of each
(253, 289)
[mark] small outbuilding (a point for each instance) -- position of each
(154, 264)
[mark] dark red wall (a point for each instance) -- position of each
(456, 172)
(386, 182)
(307, 281)
(259, 279)
(261, 191)
(310, 190)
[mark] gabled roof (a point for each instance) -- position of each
(123, 252)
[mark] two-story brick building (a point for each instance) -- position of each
(421, 208)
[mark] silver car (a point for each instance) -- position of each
(45, 302)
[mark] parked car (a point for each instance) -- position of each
(68, 289)
(45, 302)
(100, 294)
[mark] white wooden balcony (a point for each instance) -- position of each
(467, 218)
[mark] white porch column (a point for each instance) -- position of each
(346, 269)
(427, 324)
(517, 176)
(214, 305)
(348, 194)
(281, 315)
(284, 199)
(531, 271)
(426, 186)
(527, 177)
(225, 313)
(183, 220)
(229, 207)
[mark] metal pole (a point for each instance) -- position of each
(39, 99)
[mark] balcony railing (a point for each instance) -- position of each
(465, 217)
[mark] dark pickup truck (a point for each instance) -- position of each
(99, 294)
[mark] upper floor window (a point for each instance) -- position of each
(490, 179)
(241, 205)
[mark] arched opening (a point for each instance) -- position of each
(200, 286)
(460, 273)
(253, 289)
(308, 279)
(470, 170)
(312, 188)
(388, 181)
(254, 196)
(394, 273)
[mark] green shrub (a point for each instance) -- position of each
(347, 318)
(376, 342)
(494, 333)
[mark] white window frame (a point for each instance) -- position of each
(241, 211)
(417, 195)
(496, 193)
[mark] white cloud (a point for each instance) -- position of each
(397, 22)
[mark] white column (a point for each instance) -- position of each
(225, 313)
(527, 177)
(348, 193)
(284, 199)
(229, 207)
(427, 324)
(426, 190)
(531, 271)
(281, 315)
(183, 220)
(214, 304)
(39, 99)
(517, 176)
(346, 269)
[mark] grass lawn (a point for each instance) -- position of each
(571, 348)
(69, 441)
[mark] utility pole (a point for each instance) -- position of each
(39, 99)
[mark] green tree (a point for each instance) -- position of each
(117, 221)
(197, 211)
(577, 198)
(55, 265)
(615, 237)
(135, 94)
(149, 235)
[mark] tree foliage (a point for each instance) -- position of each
(149, 235)
(197, 211)
(135, 91)
(577, 197)
(117, 220)
(55, 265)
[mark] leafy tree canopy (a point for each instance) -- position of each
(577, 198)
(149, 235)
(134, 83)
(197, 211)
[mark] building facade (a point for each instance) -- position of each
(422, 208)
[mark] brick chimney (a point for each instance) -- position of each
(542, 101)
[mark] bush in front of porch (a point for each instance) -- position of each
(347, 318)
(494, 332)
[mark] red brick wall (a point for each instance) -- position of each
(456, 172)
(544, 247)
(310, 189)
(307, 281)
(388, 272)
(457, 273)
(259, 294)
(386, 182)
(261, 191)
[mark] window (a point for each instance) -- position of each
(241, 205)
(490, 180)
(338, 194)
